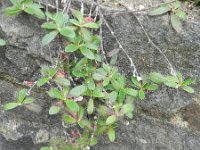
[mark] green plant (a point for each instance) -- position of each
(27, 6)
(177, 14)
(88, 93)
(2, 42)
(22, 99)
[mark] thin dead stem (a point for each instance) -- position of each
(135, 73)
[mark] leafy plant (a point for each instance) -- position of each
(177, 14)
(89, 94)
(176, 81)
(21, 100)
(25, 6)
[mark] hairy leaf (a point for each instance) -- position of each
(111, 134)
(49, 37)
(90, 106)
(54, 110)
(78, 90)
(159, 11)
(176, 23)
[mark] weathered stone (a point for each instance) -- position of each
(170, 119)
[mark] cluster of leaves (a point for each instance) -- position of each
(22, 99)
(177, 14)
(90, 95)
(2, 42)
(25, 6)
(173, 81)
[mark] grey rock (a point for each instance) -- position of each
(166, 120)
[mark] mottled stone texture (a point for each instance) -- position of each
(165, 120)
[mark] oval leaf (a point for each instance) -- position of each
(10, 106)
(188, 89)
(67, 32)
(90, 107)
(2, 42)
(87, 53)
(72, 105)
(49, 37)
(54, 110)
(71, 48)
(159, 11)
(176, 23)
(78, 90)
(111, 120)
(111, 134)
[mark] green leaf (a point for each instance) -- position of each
(99, 74)
(152, 87)
(22, 95)
(90, 107)
(98, 93)
(90, 84)
(75, 22)
(171, 84)
(68, 119)
(188, 82)
(111, 120)
(45, 148)
(55, 93)
(91, 25)
(68, 32)
(2, 42)
(135, 81)
(177, 4)
(159, 11)
(92, 46)
(106, 81)
(176, 23)
(59, 19)
(72, 105)
(10, 106)
(78, 15)
(188, 89)
(114, 59)
(34, 9)
(42, 81)
(115, 84)
(49, 37)
(87, 36)
(127, 108)
(131, 92)
(141, 94)
(49, 25)
(80, 113)
(87, 53)
(71, 48)
(85, 124)
(14, 2)
(54, 110)
(113, 96)
(50, 15)
(93, 141)
(111, 134)
(157, 77)
(12, 11)
(62, 82)
(78, 90)
(181, 14)
(106, 67)
(28, 100)
(122, 95)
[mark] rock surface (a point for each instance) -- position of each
(165, 120)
